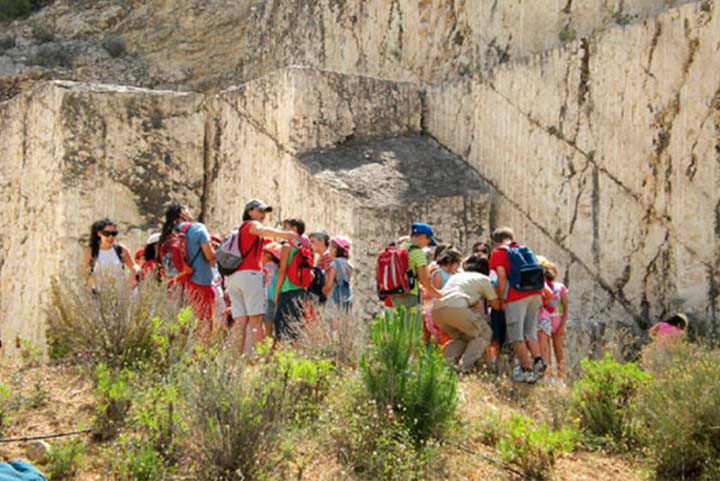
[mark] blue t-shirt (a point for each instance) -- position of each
(196, 236)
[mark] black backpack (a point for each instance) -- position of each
(317, 284)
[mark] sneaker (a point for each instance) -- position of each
(530, 377)
(539, 367)
(521, 376)
(517, 373)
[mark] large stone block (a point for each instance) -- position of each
(71, 154)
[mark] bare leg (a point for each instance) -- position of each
(257, 331)
(544, 341)
(557, 340)
(534, 347)
(240, 329)
(521, 351)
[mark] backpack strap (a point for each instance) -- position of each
(118, 248)
(257, 239)
(183, 229)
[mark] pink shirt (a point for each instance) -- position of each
(668, 331)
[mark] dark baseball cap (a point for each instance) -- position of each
(420, 228)
(258, 204)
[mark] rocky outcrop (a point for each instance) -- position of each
(605, 156)
(209, 45)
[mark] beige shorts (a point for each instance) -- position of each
(247, 293)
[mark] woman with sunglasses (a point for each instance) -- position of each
(104, 254)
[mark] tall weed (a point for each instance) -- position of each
(112, 324)
(678, 415)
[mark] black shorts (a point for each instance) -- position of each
(289, 314)
(498, 326)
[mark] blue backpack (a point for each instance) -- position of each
(525, 273)
(19, 471)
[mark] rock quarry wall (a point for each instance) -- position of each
(71, 154)
(207, 45)
(605, 156)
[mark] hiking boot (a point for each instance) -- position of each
(528, 377)
(539, 367)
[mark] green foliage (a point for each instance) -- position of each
(401, 374)
(63, 459)
(156, 414)
(567, 34)
(601, 398)
(237, 412)
(373, 445)
(533, 447)
(114, 394)
(134, 459)
(678, 415)
(11, 9)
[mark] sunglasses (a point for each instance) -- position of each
(109, 233)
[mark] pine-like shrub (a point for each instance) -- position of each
(403, 375)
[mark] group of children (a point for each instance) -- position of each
(471, 306)
(282, 276)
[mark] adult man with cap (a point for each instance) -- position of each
(246, 286)
(421, 236)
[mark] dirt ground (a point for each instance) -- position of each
(47, 399)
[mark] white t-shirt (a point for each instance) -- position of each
(465, 289)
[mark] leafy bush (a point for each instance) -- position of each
(533, 447)
(237, 412)
(400, 373)
(12, 9)
(114, 45)
(602, 396)
(114, 399)
(376, 446)
(678, 415)
(63, 459)
(155, 412)
(134, 459)
(112, 325)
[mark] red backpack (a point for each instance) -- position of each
(174, 263)
(394, 277)
(299, 271)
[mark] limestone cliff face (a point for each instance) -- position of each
(203, 45)
(605, 154)
(71, 154)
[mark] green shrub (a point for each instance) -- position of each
(237, 412)
(114, 394)
(678, 415)
(533, 447)
(400, 373)
(12, 9)
(114, 325)
(155, 412)
(134, 459)
(63, 459)
(602, 396)
(376, 446)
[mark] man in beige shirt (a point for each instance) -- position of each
(461, 313)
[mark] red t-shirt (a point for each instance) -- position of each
(499, 258)
(251, 247)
